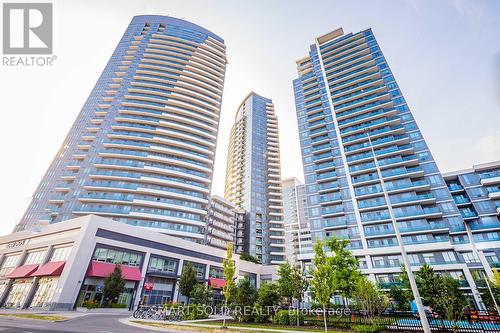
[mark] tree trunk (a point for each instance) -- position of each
(224, 313)
(324, 318)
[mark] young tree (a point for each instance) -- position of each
(285, 285)
(268, 295)
(451, 301)
(400, 298)
(322, 280)
(369, 297)
(201, 294)
(430, 285)
(114, 285)
(300, 285)
(229, 271)
(188, 280)
(345, 267)
(245, 296)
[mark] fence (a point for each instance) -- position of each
(407, 321)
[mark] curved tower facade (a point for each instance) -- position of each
(253, 179)
(142, 149)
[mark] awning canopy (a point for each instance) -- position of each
(103, 269)
(53, 268)
(216, 283)
(22, 271)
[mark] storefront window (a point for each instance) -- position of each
(61, 253)
(216, 272)
(18, 293)
(34, 257)
(44, 292)
(117, 257)
(9, 264)
(164, 265)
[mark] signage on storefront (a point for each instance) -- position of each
(148, 286)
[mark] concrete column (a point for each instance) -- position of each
(140, 288)
(176, 285)
(473, 287)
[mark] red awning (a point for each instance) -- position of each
(53, 268)
(22, 271)
(103, 269)
(216, 283)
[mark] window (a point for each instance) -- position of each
(117, 257)
(35, 257)
(164, 265)
(61, 253)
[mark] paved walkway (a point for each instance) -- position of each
(195, 324)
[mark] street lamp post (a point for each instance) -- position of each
(406, 261)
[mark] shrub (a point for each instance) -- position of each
(90, 305)
(118, 306)
(368, 328)
(287, 317)
(195, 312)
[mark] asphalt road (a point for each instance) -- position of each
(102, 323)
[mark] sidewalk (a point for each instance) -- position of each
(194, 324)
(67, 314)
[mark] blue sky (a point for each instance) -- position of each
(445, 56)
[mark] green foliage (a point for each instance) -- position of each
(188, 280)
(400, 298)
(268, 295)
(451, 301)
(90, 305)
(430, 285)
(118, 306)
(345, 266)
(195, 312)
(229, 271)
(291, 282)
(322, 282)
(249, 257)
(244, 296)
(442, 293)
(288, 317)
(369, 297)
(201, 294)
(114, 285)
(368, 328)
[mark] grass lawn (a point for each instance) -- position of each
(34, 316)
(233, 326)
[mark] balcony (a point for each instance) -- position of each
(421, 198)
(417, 228)
(406, 186)
(425, 212)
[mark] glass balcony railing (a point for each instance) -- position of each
(424, 211)
(368, 124)
(340, 113)
(371, 203)
(430, 226)
(330, 197)
(393, 187)
(364, 107)
(455, 187)
(468, 214)
(460, 200)
(363, 91)
(326, 175)
(360, 167)
(479, 226)
(396, 200)
(325, 165)
(395, 160)
(378, 232)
